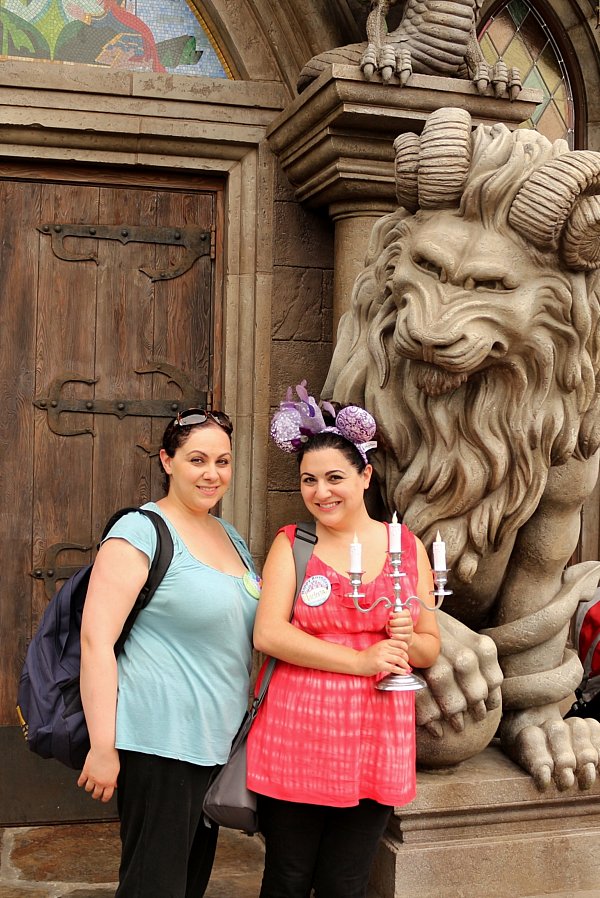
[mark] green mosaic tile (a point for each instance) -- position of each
(132, 35)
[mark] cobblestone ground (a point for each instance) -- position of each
(81, 861)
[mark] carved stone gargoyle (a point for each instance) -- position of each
(434, 37)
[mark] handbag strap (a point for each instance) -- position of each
(305, 539)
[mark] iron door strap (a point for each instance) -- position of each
(51, 572)
(55, 404)
(194, 239)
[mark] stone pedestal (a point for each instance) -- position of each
(482, 830)
(335, 143)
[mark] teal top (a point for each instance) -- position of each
(184, 672)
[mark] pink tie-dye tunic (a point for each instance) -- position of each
(333, 739)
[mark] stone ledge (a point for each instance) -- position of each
(75, 78)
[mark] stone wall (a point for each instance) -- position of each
(301, 329)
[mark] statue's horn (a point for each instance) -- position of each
(431, 170)
(550, 196)
(444, 158)
(406, 164)
(581, 236)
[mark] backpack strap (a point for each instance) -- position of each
(163, 555)
(305, 539)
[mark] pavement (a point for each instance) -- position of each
(82, 860)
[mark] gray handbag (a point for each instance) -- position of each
(228, 801)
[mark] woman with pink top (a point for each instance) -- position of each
(329, 754)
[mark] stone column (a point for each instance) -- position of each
(353, 224)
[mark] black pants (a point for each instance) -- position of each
(310, 846)
(167, 851)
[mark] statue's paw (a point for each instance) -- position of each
(482, 77)
(446, 736)
(464, 684)
(389, 59)
(368, 62)
(457, 716)
(505, 81)
(514, 83)
(465, 679)
(559, 751)
(500, 78)
(403, 64)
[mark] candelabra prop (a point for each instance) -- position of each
(409, 682)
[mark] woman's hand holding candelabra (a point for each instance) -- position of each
(401, 628)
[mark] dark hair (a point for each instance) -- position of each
(328, 440)
(176, 436)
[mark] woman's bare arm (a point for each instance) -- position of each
(119, 572)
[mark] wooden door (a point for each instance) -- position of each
(109, 322)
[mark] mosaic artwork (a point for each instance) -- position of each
(136, 35)
(518, 35)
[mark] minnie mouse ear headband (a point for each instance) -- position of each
(296, 421)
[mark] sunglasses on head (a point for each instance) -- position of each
(201, 416)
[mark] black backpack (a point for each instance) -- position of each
(49, 702)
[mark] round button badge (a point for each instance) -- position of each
(316, 590)
(252, 584)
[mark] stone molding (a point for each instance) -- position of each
(335, 141)
(132, 118)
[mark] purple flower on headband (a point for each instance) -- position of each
(296, 421)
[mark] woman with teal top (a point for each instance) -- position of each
(162, 716)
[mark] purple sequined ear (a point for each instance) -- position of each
(356, 424)
(285, 429)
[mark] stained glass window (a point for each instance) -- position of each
(136, 35)
(518, 34)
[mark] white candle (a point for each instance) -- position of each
(439, 553)
(355, 556)
(395, 535)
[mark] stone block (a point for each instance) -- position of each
(295, 360)
(284, 190)
(284, 508)
(335, 140)
(297, 303)
(302, 237)
(282, 469)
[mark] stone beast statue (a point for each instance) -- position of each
(434, 37)
(474, 339)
